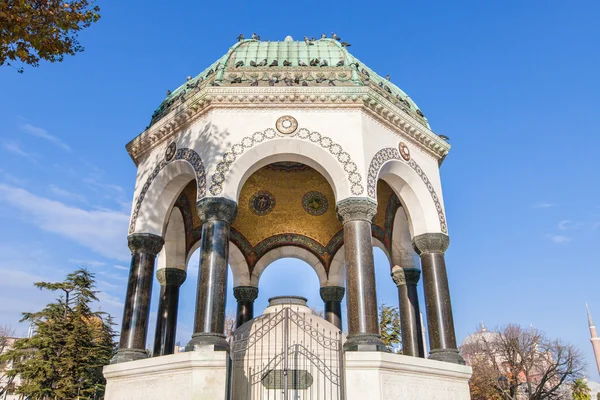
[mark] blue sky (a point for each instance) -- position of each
(513, 84)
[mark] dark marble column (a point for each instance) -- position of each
(216, 214)
(442, 341)
(332, 298)
(245, 296)
(356, 215)
(166, 323)
(132, 344)
(406, 280)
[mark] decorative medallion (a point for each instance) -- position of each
(262, 203)
(314, 203)
(404, 152)
(286, 124)
(170, 152)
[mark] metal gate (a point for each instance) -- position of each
(286, 355)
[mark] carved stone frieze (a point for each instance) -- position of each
(184, 154)
(332, 293)
(431, 243)
(209, 98)
(387, 154)
(237, 149)
(147, 243)
(245, 293)
(171, 276)
(216, 209)
(352, 209)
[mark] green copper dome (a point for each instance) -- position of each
(324, 62)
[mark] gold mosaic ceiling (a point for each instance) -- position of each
(288, 204)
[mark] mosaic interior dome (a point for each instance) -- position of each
(324, 62)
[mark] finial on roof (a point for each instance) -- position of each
(483, 327)
(590, 322)
(288, 38)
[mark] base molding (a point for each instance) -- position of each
(378, 375)
(183, 376)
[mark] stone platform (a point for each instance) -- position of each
(191, 375)
(376, 375)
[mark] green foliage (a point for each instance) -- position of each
(580, 390)
(389, 326)
(42, 30)
(70, 345)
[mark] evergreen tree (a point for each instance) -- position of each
(389, 326)
(63, 359)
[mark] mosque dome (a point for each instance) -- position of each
(308, 63)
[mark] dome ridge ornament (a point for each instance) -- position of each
(286, 124)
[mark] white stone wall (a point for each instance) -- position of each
(376, 375)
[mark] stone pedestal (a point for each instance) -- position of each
(379, 375)
(184, 376)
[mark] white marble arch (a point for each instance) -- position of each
(414, 196)
(289, 252)
(403, 253)
(173, 253)
(237, 264)
(286, 149)
(161, 196)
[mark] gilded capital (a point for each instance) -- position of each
(171, 276)
(216, 209)
(245, 293)
(428, 243)
(356, 209)
(145, 243)
(332, 293)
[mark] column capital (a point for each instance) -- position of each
(403, 276)
(245, 293)
(216, 209)
(356, 209)
(145, 243)
(428, 243)
(332, 293)
(171, 276)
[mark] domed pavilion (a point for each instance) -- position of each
(288, 149)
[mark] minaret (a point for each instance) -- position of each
(594, 338)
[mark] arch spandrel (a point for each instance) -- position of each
(422, 203)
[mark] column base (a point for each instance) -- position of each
(126, 355)
(447, 355)
(207, 341)
(364, 342)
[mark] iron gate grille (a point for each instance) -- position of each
(287, 356)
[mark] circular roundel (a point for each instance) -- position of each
(262, 203)
(314, 203)
(170, 152)
(286, 124)
(404, 152)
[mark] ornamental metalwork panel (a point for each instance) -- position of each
(287, 355)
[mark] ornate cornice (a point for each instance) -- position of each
(216, 209)
(171, 276)
(145, 243)
(356, 208)
(332, 293)
(245, 293)
(428, 243)
(362, 98)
